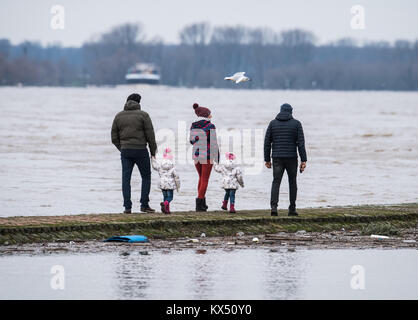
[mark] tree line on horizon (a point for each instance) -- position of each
(288, 59)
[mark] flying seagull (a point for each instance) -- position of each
(238, 77)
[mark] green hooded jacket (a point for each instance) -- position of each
(132, 129)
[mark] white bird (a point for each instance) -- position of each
(238, 77)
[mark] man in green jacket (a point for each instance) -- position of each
(132, 130)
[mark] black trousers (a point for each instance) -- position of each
(279, 167)
(130, 158)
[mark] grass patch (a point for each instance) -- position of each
(381, 228)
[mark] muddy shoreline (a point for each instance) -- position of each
(337, 227)
(278, 242)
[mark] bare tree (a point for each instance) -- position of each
(125, 35)
(229, 35)
(195, 34)
(297, 37)
(262, 36)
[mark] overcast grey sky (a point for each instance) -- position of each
(328, 19)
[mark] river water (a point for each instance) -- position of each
(218, 274)
(57, 157)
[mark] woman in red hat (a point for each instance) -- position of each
(205, 151)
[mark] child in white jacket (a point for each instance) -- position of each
(169, 179)
(231, 180)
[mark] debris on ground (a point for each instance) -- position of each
(130, 239)
(280, 240)
(240, 234)
(377, 236)
(203, 235)
(278, 237)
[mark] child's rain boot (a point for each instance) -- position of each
(232, 208)
(224, 205)
(162, 207)
(167, 207)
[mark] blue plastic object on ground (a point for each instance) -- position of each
(133, 238)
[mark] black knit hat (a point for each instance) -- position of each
(287, 108)
(135, 97)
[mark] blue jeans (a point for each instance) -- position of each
(230, 194)
(130, 158)
(168, 195)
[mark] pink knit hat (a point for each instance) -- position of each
(167, 154)
(201, 111)
(229, 156)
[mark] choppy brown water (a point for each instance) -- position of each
(57, 158)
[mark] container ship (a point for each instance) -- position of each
(143, 73)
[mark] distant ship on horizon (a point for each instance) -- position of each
(147, 73)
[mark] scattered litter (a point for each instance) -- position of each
(273, 237)
(342, 229)
(203, 235)
(193, 240)
(72, 242)
(230, 243)
(376, 236)
(408, 241)
(301, 232)
(274, 250)
(144, 253)
(240, 234)
(131, 239)
(255, 239)
(201, 251)
(291, 249)
(124, 253)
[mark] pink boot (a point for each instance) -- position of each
(224, 205)
(232, 208)
(162, 207)
(167, 207)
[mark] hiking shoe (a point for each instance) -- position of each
(127, 211)
(293, 213)
(274, 213)
(147, 209)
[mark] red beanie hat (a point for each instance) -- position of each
(201, 111)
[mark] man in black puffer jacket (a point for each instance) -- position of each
(285, 135)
